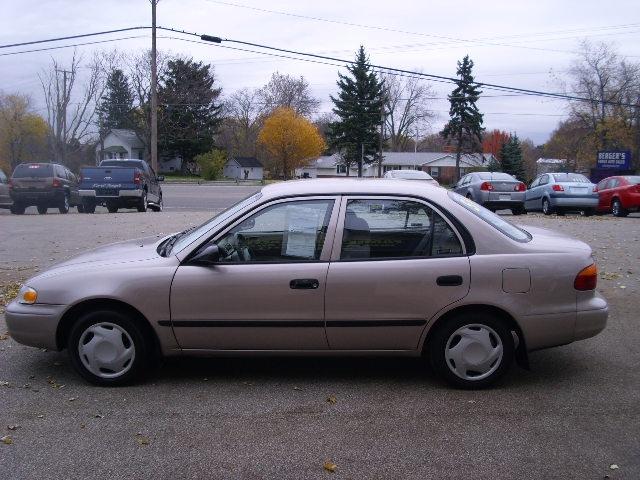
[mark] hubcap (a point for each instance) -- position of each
(106, 350)
(473, 352)
(545, 206)
(616, 208)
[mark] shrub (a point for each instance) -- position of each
(211, 164)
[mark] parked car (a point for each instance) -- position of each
(45, 185)
(317, 266)
(561, 192)
(121, 183)
(5, 196)
(619, 195)
(412, 175)
(493, 190)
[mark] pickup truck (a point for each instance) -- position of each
(124, 183)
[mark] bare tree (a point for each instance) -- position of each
(287, 91)
(407, 113)
(242, 120)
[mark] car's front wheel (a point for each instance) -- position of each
(617, 209)
(142, 204)
(471, 350)
(64, 204)
(108, 348)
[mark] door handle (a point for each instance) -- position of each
(304, 284)
(449, 281)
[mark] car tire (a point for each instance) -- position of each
(42, 210)
(17, 209)
(617, 209)
(142, 204)
(465, 336)
(113, 335)
(518, 211)
(546, 207)
(112, 209)
(80, 208)
(64, 204)
(588, 212)
(158, 206)
(89, 207)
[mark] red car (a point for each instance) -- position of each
(619, 195)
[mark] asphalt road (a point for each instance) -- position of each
(573, 415)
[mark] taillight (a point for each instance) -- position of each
(56, 182)
(595, 189)
(521, 187)
(557, 188)
(587, 278)
(487, 186)
(137, 178)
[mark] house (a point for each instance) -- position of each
(550, 165)
(244, 168)
(440, 165)
(121, 143)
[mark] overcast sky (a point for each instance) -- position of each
(515, 43)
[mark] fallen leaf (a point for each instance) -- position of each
(40, 416)
(141, 439)
(613, 466)
(4, 384)
(6, 440)
(332, 399)
(13, 427)
(98, 415)
(330, 466)
(297, 388)
(4, 336)
(57, 364)
(72, 399)
(82, 425)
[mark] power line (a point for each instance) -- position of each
(71, 37)
(74, 45)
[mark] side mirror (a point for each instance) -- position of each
(208, 256)
(160, 178)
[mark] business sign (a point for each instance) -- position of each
(620, 160)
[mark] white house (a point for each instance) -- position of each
(244, 168)
(440, 165)
(121, 143)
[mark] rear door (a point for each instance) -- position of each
(395, 263)
(31, 180)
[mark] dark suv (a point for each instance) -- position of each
(45, 185)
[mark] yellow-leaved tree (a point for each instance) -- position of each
(290, 140)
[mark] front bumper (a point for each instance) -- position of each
(121, 194)
(34, 325)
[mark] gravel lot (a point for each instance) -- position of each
(573, 415)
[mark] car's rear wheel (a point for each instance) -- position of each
(89, 206)
(142, 204)
(112, 208)
(108, 348)
(64, 204)
(617, 209)
(17, 209)
(42, 210)
(546, 207)
(589, 212)
(80, 208)
(518, 211)
(471, 350)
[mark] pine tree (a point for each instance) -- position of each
(358, 107)
(465, 125)
(116, 106)
(512, 161)
(189, 114)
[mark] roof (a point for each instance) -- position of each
(247, 162)
(127, 136)
(553, 161)
(345, 186)
(410, 159)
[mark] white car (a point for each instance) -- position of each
(412, 175)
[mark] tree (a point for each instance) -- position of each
(211, 164)
(290, 140)
(465, 125)
(572, 141)
(530, 154)
(116, 105)
(290, 92)
(358, 107)
(511, 154)
(23, 134)
(242, 120)
(492, 142)
(189, 114)
(406, 110)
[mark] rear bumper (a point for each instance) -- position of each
(567, 201)
(87, 193)
(591, 317)
(34, 325)
(35, 198)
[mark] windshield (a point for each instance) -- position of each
(122, 163)
(570, 177)
(497, 222)
(33, 170)
(192, 235)
(412, 174)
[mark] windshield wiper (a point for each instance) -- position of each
(168, 244)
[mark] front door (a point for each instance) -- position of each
(267, 290)
(396, 262)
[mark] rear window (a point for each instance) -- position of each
(570, 177)
(495, 176)
(120, 163)
(497, 222)
(33, 170)
(634, 180)
(412, 174)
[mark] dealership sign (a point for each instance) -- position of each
(620, 160)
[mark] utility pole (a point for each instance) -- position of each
(381, 141)
(154, 90)
(62, 112)
(361, 162)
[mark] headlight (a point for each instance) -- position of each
(27, 295)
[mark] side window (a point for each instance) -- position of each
(375, 229)
(602, 185)
(544, 179)
(613, 183)
(285, 232)
(535, 183)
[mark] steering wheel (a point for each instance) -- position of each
(241, 247)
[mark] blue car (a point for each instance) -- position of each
(561, 192)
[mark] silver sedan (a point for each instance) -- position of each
(493, 190)
(372, 267)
